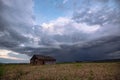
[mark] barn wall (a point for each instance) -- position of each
(40, 62)
(35, 61)
(31, 61)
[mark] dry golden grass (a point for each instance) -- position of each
(73, 71)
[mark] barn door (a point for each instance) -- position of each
(43, 62)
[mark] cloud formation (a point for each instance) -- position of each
(98, 12)
(7, 56)
(16, 22)
(92, 32)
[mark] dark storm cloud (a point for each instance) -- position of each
(16, 21)
(19, 34)
(92, 50)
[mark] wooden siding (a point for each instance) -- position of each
(41, 60)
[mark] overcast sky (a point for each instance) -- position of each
(69, 30)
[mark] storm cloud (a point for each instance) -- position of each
(92, 32)
(16, 22)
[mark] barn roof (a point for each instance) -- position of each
(42, 57)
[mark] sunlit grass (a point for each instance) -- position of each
(71, 71)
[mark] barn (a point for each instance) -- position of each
(41, 60)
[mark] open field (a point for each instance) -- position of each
(70, 71)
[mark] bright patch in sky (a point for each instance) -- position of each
(62, 25)
(87, 28)
(5, 54)
(64, 1)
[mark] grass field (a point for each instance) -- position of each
(71, 71)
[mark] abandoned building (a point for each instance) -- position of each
(41, 60)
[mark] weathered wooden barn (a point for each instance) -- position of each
(41, 60)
